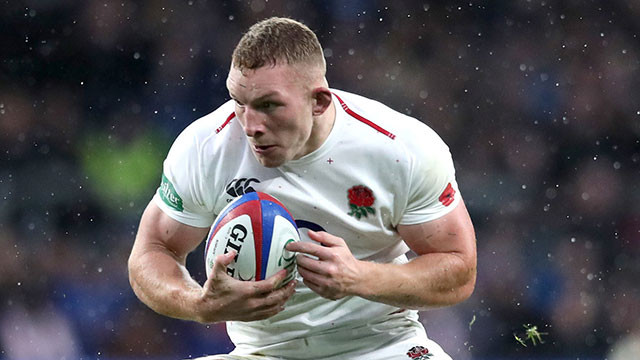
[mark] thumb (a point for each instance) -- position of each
(221, 262)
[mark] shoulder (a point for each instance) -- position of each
(406, 132)
(201, 144)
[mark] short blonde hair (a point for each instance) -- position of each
(278, 40)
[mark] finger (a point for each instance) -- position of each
(221, 262)
(309, 264)
(276, 280)
(309, 249)
(264, 313)
(310, 276)
(280, 296)
(325, 238)
(314, 287)
(269, 284)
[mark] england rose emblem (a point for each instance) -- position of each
(419, 353)
(361, 200)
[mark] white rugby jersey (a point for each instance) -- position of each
(377, 169)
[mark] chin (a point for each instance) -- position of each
(269, 162)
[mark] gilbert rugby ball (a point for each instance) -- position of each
(258, 227)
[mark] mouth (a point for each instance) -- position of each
(263, 149)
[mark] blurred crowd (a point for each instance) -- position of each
(538, 100)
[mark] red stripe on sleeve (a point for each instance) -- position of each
(364, 120)
(226, 122)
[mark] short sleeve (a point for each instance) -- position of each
(180, 192)
(433, 190)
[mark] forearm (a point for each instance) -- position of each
(163, 283)
(428, 281)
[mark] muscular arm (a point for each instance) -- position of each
(442, 274)
(159, 278)
(157, 271)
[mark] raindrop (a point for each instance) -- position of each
(551, 193)
(258, 5)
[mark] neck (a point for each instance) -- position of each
(323, 124)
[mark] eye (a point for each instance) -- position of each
(266, 105)
(238, 103)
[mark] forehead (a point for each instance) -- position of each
(263, 79)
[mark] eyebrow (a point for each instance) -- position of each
(258, 99)
(267, 95)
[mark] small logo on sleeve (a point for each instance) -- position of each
(447, 195)
(169, 195)
(361, 200)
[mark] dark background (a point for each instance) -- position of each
(538, 100)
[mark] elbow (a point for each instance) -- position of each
(467, 273)
(467, 282)
(132, 269)
(466, 290)
(465, 285)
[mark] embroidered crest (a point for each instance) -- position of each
(360, 201)
(419, 353)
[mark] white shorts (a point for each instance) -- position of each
(384, 341)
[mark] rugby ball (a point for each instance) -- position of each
(258, 227)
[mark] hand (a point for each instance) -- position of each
(335, 273)
(227, 299)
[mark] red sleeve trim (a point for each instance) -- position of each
(362, 119)
(226, 122)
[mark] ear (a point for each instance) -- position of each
(321, 100)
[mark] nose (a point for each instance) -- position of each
(252, 122)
